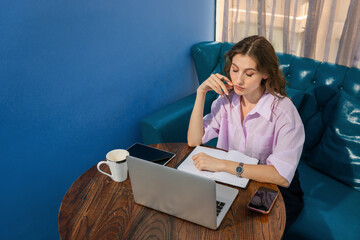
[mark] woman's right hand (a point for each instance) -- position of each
(215, 82)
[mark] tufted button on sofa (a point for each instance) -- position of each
(327, 97)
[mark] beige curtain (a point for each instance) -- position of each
(325, 30)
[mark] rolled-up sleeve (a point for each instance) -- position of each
(289, 141)
(212, 121)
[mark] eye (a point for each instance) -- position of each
(249, 74)
(234, 69)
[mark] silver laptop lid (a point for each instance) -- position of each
(174, 192)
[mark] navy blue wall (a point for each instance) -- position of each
(76, 78)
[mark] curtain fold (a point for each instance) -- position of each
(350, 37)
(286, 27)
(330, 31)
(272, 21)
(325, 30)
(248, 9)
(261, 18)
(311, 30)
(292, 35)
(226, 26)
(236, 19)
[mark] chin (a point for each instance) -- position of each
(237, 92)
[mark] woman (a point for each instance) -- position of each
(253, 115)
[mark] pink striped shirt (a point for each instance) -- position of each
(274, 137)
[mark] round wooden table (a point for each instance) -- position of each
(95, 207)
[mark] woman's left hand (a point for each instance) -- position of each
(204, 162)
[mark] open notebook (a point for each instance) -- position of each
(188, 165)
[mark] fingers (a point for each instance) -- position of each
(198, 160)
(220, 80)
(228, 85)
(199, 156)
(220, 84)
(202, 161)
(214, 85)
(225, 80)
(199, 165)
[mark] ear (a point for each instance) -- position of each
(265, 76)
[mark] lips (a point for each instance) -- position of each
(239, 88)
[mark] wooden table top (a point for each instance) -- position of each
(96, 207)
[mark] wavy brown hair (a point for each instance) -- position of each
(263, 53)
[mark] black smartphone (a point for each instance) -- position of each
(263, 200)
(152, 154)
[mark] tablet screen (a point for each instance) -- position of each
(150, 153)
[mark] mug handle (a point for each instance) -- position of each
(98, 167)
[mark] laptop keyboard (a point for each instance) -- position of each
(219, 206)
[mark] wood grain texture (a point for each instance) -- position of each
(95, 207)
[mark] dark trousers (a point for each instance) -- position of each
(293, 198)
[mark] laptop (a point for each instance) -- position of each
(184, 195)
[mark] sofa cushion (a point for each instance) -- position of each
(225, 47)
(351, 83)
(315, 108)
(338, 154)
(169, 124)
(329, 76)
(301, 73)
(331, 209)
(296, 96)
(285, 61)
(206, 56)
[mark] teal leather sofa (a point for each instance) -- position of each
(327, 97)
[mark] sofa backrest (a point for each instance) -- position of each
(327, 97)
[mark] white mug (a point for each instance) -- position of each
(116, 160)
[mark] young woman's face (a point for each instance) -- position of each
(245, 76)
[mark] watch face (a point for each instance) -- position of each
(239, 169)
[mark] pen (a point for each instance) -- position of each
(223, 80)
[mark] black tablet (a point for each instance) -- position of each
(150, 153)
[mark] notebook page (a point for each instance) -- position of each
(231, 179)
(237, 156)
(188, 165)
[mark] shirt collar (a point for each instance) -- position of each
(235, 100)
(263, 107)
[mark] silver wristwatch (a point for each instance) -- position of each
(240, 169)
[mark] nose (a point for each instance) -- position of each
(239, 79)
